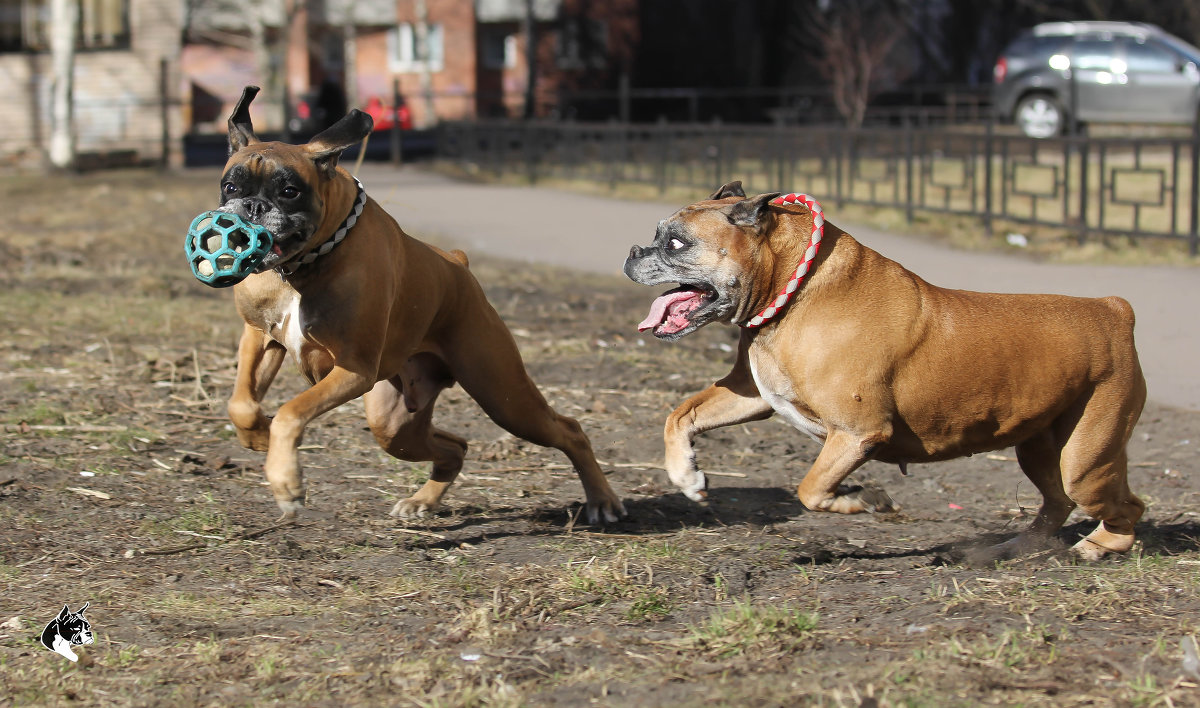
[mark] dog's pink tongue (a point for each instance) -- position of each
(658, 310)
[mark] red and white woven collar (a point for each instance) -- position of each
(818, 230)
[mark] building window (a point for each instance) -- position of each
(498, 48)
(402, 48)
(25, 25)
(582, 43)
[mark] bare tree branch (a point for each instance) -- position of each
(855, 38)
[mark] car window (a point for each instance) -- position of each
(1047, 46)
(1093, 54)
(1150, 57)
(1033, 48)
(1190, 52)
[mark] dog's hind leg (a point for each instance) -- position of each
(1095, 466)
(496, 378)
(259, 358)
(1039, 460)
(400, 413)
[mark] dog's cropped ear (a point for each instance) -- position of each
(732, 189)
(81, 609)
(751, 213)
(62, 616)
(241, 131)
(327, 146)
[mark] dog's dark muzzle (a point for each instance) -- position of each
(635, 266)
(255, 208)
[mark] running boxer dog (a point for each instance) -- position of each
(366, 310)
(876, 363)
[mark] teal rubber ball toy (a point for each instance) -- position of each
(223, 249)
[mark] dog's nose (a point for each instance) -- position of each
(635, 253)
(256, 208)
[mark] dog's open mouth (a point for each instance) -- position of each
(284, 247)
(672, 311)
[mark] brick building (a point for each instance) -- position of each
(476, 64)
(122, 50)
(192, 58)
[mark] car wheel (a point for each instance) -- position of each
(1040, 116)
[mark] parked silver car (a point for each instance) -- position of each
(1123, 72)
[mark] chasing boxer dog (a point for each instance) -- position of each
(369, 311)
(880, 365)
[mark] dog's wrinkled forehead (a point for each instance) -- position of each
(671, 227)
(691, 219)
(261, 163)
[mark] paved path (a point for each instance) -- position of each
(595, 233)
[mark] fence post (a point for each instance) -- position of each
(780, 154)
(1085, 151)
(719, 135)
(528, 143)
(909, 156)
(988, 149)
(837, 171)
(395, 139)
(288, 136)
(1193, 230)
(164, 69)
(623, 89)
(664, 141)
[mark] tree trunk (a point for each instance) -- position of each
(64, 23)
(350, 55)
(530, 61)
(421, 39)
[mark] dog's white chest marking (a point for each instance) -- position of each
(778, 395)
(63, 647)
(289, 331)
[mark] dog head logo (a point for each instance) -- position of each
(67, 630)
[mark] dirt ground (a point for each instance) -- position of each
(122, 485)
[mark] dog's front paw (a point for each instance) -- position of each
(876, 500)
(696, 488)
(608, 510)
(856, 500)
(254, 438)
(290, 508)
(414, 508)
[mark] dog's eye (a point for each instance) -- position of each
(289, 192)
(675, 244)
(230, 188)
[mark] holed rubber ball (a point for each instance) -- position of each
(223, 249)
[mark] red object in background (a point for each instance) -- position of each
(385, 118)
(1000, 70)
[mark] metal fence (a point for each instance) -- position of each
(1140, 187)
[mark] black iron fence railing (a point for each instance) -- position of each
(1141, 187)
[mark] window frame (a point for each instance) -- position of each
(32, 18)
(491, 38)
(402, 48)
